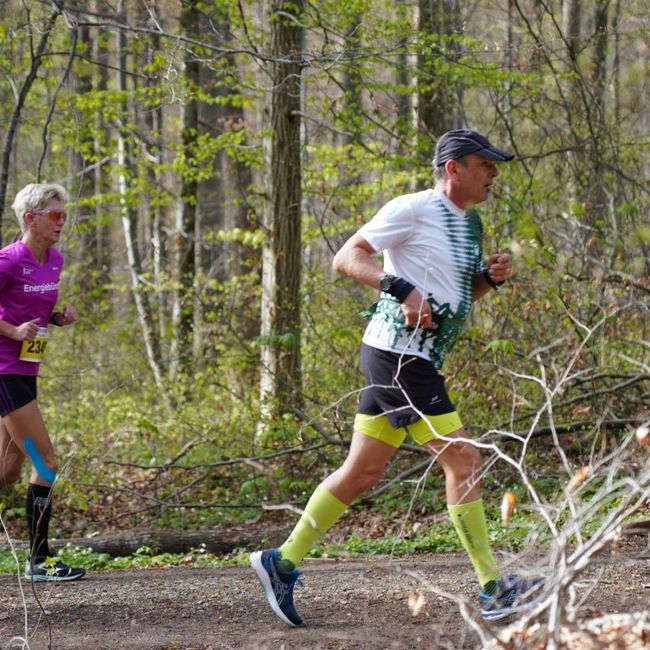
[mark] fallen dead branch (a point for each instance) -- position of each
(620, 631)
(218, 540)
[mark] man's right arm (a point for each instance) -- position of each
(356, 259)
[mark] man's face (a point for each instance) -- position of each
(474, 179)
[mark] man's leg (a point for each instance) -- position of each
(500, 596)
(461, 462)
(275, 568)
(361, 470)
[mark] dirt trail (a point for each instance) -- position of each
(347, 604)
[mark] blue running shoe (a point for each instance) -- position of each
(52, 572)
(278, 585)
(513, 595)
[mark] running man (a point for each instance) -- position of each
(29, 279)
(433, 271)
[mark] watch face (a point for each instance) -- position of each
(386, 281)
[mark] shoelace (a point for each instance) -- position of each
(295, 580)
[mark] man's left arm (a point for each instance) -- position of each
(498, 269)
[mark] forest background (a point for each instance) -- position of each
(218, 154)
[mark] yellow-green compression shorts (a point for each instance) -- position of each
(403, 394)
(426, 429)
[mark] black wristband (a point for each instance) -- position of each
(53, 318)
(400, 289)
(491, 282)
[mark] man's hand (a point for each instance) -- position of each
(417, 311)
(499, 267)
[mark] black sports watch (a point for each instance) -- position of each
(397, 287)
(387, 282)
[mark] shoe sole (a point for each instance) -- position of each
(504, 613)
(265, 581)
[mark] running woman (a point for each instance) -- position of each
(433, 271)
(30, 269)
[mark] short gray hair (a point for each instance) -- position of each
(439, 172)
(34, 197)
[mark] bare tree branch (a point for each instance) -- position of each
(7, 145)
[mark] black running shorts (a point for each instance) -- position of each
(16, 391)
(394, 382)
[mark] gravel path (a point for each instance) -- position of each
(346, 604)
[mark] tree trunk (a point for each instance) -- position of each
(616, 68)
(183, 309)
(406, 101)
(281, 377)
(599, 199)
(438, 99)
(352, 82)
(129, 218)
(101, 181)
(438, 108)
(571, 19)
(153, 212)
(237, 179)
(229, 191)
(83, 273)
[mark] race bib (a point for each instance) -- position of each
(33, 350)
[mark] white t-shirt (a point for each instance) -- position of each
(436, 246)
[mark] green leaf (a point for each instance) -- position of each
(501, 345)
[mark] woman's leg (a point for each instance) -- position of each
(25, 425)
(11, 458)
(28, 434)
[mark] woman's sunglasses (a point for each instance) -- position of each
(52, 215)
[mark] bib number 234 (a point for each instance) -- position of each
(33, 350)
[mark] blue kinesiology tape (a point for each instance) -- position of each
(37, 461)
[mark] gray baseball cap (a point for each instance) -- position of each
(462, 142)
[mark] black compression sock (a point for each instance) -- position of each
(39, 507)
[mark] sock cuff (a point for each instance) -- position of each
(327, 507)
(324, 493)
(462, 508)
(37, 490)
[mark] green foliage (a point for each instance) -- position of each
(438, 538)
(195, 449)
(144, 558)
(501, 345)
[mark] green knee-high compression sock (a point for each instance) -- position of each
(469, 522)
(321, 512)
